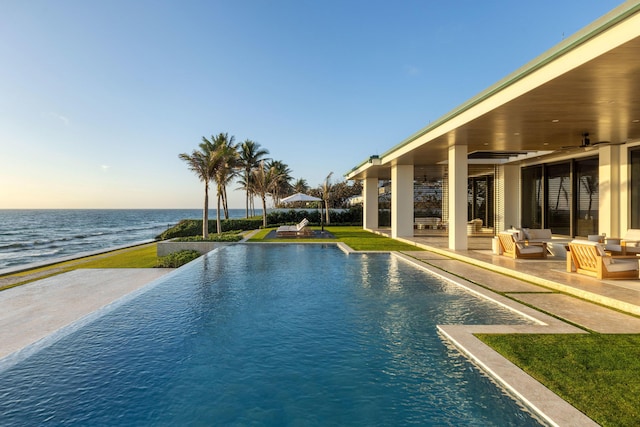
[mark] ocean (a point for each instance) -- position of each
(33, 236)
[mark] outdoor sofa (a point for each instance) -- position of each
(427, 222)
(555, 246)
(629, 244)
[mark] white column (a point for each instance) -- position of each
(609, 194)
(510, 197)
(458, 177)
(370, 203)
(402, 201)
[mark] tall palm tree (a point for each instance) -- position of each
(265, 179)
(223, 156)
(199, 163)
(326, 189)
(284, 177)
(250, 155)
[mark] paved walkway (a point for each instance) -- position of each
(32, 312)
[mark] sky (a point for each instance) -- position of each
(98, 98)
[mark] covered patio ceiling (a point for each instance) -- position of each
(584, 91)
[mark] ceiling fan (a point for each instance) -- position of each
(585, 142)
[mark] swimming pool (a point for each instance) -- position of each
(269, 335)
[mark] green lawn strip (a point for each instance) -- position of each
(139, 257)
(363, 240)
(598, 374)
(353, 236)
(143, 256)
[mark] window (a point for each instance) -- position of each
(531, 197)
(587, 187)
(559, 198)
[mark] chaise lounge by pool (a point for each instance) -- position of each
(262, 335)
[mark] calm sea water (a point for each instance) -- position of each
(242, 337)
(28, 236)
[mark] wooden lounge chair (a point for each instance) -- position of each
(589, 258)
(300, 229)
(521, 249)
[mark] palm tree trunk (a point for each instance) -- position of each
(218, 223)
(205, 212)
(225, 204)
(264, 211)
(326, 207)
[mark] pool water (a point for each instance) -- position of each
(299, 335)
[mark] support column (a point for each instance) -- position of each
(510, 197)
(402, 201)
(370, 203)
(458, 177)
(609, 197)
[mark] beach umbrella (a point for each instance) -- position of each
(300, 197)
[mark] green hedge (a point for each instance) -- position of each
(177, 259)
(352, 216)
(193, 227)
(228, 236)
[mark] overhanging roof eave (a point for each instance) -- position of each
(588, 33)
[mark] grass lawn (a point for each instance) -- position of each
(143, 256)
(355, 237)
(598, 374)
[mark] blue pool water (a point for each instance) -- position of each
(270, 336)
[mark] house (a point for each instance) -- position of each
(556, 144)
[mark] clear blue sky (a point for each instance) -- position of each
(98, 98)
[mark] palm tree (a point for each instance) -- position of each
(301, 186)
(223, 157)
(284, 176)
(326, 189)
(265, 179)
(198, 162)
(250, 155)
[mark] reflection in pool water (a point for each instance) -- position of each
(269, 335)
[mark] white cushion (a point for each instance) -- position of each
(632, 234)
(539, 233)
(526, 249)
(516, 232)
(620, 264)
(613, 248)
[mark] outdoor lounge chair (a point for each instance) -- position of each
(521, 249)
(590, 258)
(299, 229)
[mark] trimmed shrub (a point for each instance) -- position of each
(229, 236)
(177, 259)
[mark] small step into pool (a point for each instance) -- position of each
(269, 335)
